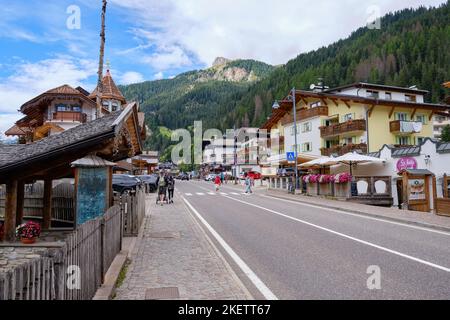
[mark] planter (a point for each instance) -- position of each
(311, 189)
(325, 189)
(27, 240)
(342, 190)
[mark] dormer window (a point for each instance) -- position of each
(410, 98)
(62, 107)
(372, 94)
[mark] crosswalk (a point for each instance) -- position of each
(215, 194)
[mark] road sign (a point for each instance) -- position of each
(290, 156)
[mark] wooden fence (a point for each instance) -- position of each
(62, 202)
(133, 209)
(88, 252)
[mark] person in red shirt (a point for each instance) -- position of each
(217, 182)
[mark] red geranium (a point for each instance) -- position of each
(28, 230)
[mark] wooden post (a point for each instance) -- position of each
(20, 200)
(47, 216)
(433, 181)
(405, 204)
(10, 210)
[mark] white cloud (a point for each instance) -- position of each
(31, 79)
(6, 122)
(159, 76)
(267, 30)
(131, 77)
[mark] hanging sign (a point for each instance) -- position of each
(406, 163)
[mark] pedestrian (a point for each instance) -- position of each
(171, 188)
(248, 184)
(162, 188)
(217, 183)
(222, 177)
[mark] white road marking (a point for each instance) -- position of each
(257, 282)
(357, 215)
(188, 194)
(200, 194)
(223, 193)
(347, 236)
(211, 193)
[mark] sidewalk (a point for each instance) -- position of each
(423, 219)
(174, 255)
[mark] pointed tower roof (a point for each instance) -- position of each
(110, 90)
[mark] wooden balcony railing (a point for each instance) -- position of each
(304, 114)
(398, 126)
(69, 116)
(341, 128)
(343, 149)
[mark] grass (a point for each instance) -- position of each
(122, 276)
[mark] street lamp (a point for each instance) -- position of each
(276, 106)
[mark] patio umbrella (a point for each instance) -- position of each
(320, 162)
(354, 158)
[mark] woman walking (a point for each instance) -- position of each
(162, 188)
(217, 183)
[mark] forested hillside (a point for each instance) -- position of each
(411, 48)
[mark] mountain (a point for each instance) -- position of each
(195, 95)
(411, 48)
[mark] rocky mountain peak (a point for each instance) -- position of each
(220, 61)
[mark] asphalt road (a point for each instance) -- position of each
(299, 251)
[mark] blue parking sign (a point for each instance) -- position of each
(290, 156)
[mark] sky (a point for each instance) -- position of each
(47, 43)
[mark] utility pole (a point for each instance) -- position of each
(295, 138)
(100, 63)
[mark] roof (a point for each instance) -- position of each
(406, 152)
(63, 91)
(418, 172)
(26, 152)
(443, 147)
(124, 166)
(110, 90)
(366, 85)
(92, 161)
(15, 130)
(446, 84)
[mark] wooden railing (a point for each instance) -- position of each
(306, 113)
(341, 128)
(133, 211)
(69, 116)
(341, 149)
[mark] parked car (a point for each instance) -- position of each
(286, 172)
(122, 183)
(151, 181)
(252, 175)
(210, 177)
(183, 176)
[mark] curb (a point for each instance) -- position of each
(108, 288)
(394, 219)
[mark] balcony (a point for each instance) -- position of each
(341, 128)
(406, 127)
(69, 116)
(343, 149)
(312, 112)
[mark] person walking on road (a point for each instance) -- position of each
(222, 178)
(217, 183)
(248, 184)
(171, 188)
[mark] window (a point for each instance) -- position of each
(62, 107)
(420, 140)
(421, 118)
(410, 98)
(306, 147)
(347, 117)
(76, 108)
(404, 141)
(114, 107)
(388, 96)
(402, 116)
(372, 94)
(306, 127)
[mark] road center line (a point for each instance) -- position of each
(346, 236)
(257, 282)
(356, 215)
